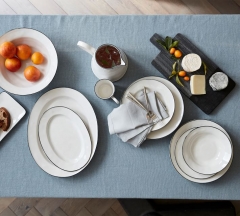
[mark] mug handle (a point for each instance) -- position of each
(86, 47)
(115, 100)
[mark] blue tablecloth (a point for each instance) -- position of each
(118, 169)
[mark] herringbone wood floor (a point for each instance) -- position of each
(73, 207)
(98, 207)
(60, 207)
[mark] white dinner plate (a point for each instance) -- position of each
(15, 110)
(181, 162)
(15, 82)
(162, 92)
(64, 138)
(75, 101)
(178, 111)
(207, 150)
(175, 138)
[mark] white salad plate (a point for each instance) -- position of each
(15, 110)
(64, 138)
(15, 82)
(180, 160)
(207, 150)
(181, 169)
(73, 100)
(162, 92)
(178, 108)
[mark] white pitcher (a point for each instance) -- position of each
(114, 73)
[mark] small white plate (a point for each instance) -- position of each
(73, 100)
(207, 150)
(180, 160)
(15, 82)
(14, 108)
(64, 138)
(178, 134)
(162, 92)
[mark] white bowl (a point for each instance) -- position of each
(15, 82)
(207, 150)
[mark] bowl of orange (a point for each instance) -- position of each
(28, 61)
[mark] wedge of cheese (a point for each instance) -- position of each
(198, 84)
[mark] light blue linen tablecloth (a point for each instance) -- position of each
(118, 169)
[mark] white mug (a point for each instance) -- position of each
(105, 89)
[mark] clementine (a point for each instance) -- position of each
(7, 49)
(37, 58)
(12, 64)
(24, 51)
(32, 74)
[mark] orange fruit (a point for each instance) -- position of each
(24, 51)
(13, 64)
(182, 73)
(32, 74)
(172, 50)
(7, 50)
(186, 78)
(177, 53)
(37, 58)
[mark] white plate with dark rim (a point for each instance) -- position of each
(75, 101)
(64, 138)
(162, 93)
(15, 82)
(15, 110)
(181, 162)
(207, 150)
(178, 111)
(187, 126)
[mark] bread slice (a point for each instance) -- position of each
(5, 119)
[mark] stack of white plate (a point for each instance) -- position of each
(62, 132)
(201, 151)
(169, 96)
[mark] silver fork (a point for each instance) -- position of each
(150, 115)
(147, 101)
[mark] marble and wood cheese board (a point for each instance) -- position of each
(164, 62)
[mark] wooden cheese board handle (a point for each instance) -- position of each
(154, 40)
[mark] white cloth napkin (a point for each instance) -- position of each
(130, 122)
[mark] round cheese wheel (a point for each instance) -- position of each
(218, 81)
(191, 62)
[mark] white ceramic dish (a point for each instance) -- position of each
(207, 150)
(15, 82)
(162, 92)
(178, 112)
(64, 138)
(175, 138)
(180, 160)
(75, 101)
(14, 108)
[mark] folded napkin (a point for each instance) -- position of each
(155, 104)
(130, 122)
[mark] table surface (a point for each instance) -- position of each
(118, 169)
